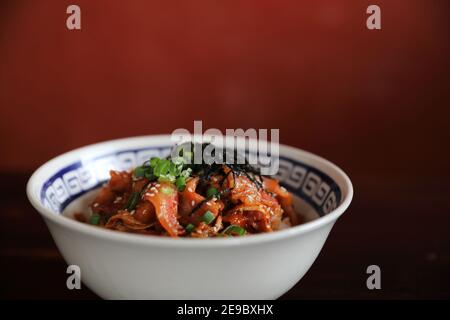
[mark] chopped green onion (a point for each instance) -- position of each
(161, 168)
(140, 172)
(180, 183)
(211, 192)
(166, 190)
(154, 161)
(132, 201)
(174, 170)
(144, 171)
(186, 173)
(189, 227)
(234, 230)
(164, 170)
(208, 217)
(149, 175)
(95, 219)
(166, 178)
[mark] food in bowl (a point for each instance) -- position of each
(175, 197)
(123, 265)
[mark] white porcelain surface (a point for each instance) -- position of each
(118, 265)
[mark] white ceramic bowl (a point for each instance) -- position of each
(118, 265)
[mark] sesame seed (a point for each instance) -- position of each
(192, 203)
(96, 205)
(118, 199)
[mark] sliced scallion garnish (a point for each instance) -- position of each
(180, 183)
(95, 219)
(234, 230)
(133, 201)
(164, 170)
(189, 227)
(167, 190)
(208, 217)
(140, 171)
(212, 192)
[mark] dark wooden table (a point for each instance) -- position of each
(401, 227)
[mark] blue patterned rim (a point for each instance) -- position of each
(312, 185)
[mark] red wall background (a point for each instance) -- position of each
(368, 100)
(374, 102)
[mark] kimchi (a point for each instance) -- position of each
(172, 198)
